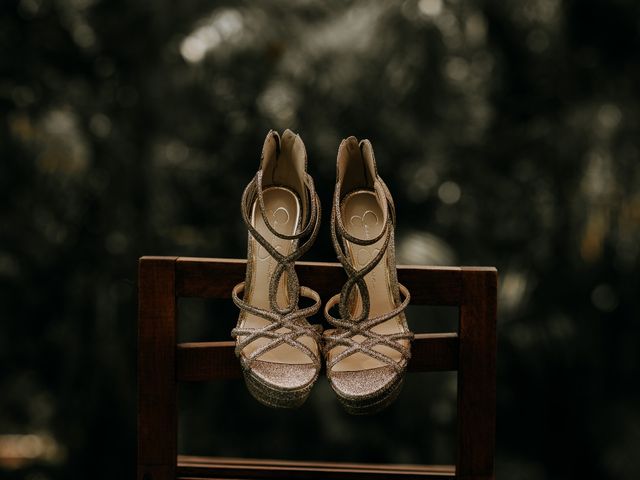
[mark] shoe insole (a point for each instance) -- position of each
(283, 213)
(363, 218)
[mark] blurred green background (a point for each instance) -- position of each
(508, 132)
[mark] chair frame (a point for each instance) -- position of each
(162, 363)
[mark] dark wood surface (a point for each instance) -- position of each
(201, 361)
(212, 467)
(162, 363)
(215, 278)
(477, 374)
(157, 408)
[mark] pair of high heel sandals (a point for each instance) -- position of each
(280, 352)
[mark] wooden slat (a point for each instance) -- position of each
(477, 374)
(211, 467)
(434, 352)
(202, 361)
(216, 277)
(216, 360)
(157, 412)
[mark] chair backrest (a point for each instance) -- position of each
(162, 363)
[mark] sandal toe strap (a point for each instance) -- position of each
(346, 330)
(294, 321)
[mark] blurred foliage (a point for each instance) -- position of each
(507, 131)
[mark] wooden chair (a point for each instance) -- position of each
(162, 363)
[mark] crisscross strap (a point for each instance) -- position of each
(294, 321)
(338, 232)
(284, 263)
(347, 326)
(289, 317)
(347, 329)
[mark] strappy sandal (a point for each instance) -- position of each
(277, 347)
(368, 351)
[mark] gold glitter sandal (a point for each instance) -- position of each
(368, 351)
(277, 347)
